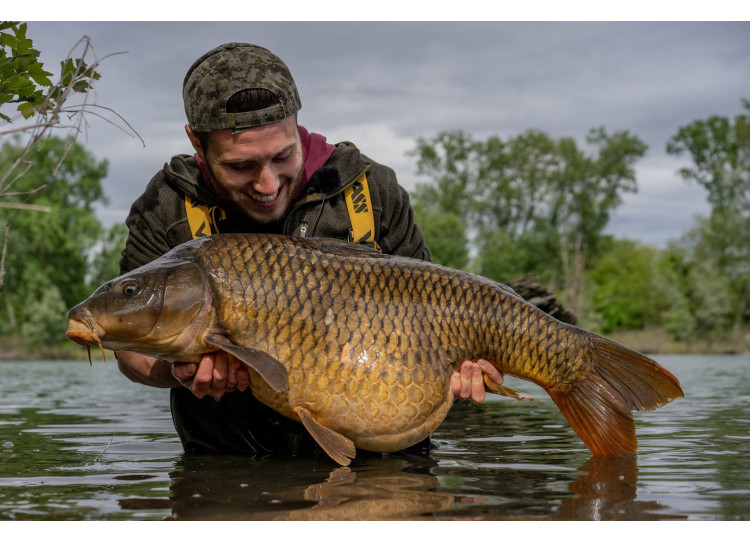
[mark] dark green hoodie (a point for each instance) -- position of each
(238, 423)
(158, 220)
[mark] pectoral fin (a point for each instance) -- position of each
(490, 386)
(336, 445)
(267, 366)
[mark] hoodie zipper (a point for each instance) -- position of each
(313, 198)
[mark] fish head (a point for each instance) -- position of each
(161, 309)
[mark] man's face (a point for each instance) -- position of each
(256, 171)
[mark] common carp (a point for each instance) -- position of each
(359, 346)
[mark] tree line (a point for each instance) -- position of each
(499, 207)
(532, 203)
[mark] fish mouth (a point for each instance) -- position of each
(83, 333)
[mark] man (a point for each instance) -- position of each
(255, 170)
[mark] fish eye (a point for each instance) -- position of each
(129, 288)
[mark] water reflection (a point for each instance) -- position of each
(211, 487)
(224, 488)
(607, 491)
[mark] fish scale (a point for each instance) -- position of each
(360, 346)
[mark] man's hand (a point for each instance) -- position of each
(216, 374)
(469, 382)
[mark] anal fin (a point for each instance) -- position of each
(267, 366)
(336, 445)
(505, 391)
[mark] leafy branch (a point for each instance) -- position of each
(46, 104)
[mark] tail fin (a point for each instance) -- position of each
(621, 380)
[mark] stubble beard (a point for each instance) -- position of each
(268, 223)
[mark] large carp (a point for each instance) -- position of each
(359, 346)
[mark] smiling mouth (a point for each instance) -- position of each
(264, 199)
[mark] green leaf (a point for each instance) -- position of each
(6, 40)
(27, 109)
(40, 76)
(67, 71)
(81, 86)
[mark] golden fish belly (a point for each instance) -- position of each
(382, 402)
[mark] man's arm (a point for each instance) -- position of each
(146, 370)
(216, 374)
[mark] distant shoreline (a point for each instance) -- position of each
(656, 341)
(14, 348)
(652, 342)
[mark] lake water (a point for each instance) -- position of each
(83, 443)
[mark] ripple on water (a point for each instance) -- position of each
(83, 443)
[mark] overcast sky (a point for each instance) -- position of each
(383, 85)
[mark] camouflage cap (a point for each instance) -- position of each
(220, 73)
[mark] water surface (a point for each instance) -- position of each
(83, 443)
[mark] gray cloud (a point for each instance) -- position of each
(383, 85)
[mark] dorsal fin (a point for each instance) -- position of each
(343, 248)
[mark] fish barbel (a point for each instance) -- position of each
(359, 346)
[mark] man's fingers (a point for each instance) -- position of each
(233, 365)
(201, 385)
(491, 371)
(215, 374)
(468, 381)
(477, 384)
(220, 372)
(456, 384)
(243, 377)
(183, 371)
(467, 375)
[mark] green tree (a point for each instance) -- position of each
(503, 258)
(720, 152)
(23, 79)
(530, 202)
(588, 190)
(670, 280)
(623, 286)
(719, 148)
(450, 160)
(513, 188)
(49, 250)
(46, 322)
(445, 234)
(105, 262)
(45, 242)
(699, 294)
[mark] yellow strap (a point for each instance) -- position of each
(359, 205)
(202, 219)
